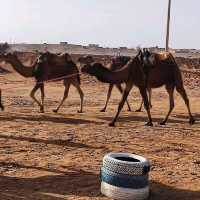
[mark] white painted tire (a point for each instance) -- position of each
(119, 193)
(112, 163)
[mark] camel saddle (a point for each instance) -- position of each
(150, 60)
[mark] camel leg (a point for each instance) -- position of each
(42, 97)
(77, 86)
(170, 91)
(183, 94)
(32, 95)
(141, 104)
(119, 87)
(150, 95)
(108, 97)
(66, 92)
(143, 93)
(121, 104)
(1, 105)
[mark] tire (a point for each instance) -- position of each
(124, 193)
(126, 163)
(124, 181)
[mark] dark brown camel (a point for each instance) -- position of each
(47, 67)
(165, 71)
(131, 74)
(116, 64)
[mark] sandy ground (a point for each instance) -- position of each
(58, 156)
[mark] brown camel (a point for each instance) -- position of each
(164, 71)
(47, 67)
(116, 64)
(131, 74)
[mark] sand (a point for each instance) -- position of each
(58, 156)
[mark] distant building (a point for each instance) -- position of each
(123, 48)
(93, 45)
(63, 43)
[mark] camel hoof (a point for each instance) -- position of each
(2, 108)
(103, 110)
(192, 121)
(112, 124)
(149, 124)
(163, 122)
(79, 111)
(138, 110)
(55, 110)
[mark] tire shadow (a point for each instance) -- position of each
(160, 191)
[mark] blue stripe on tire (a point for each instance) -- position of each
(124, 181)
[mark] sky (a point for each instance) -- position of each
(110, 23)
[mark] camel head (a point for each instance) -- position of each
(85, 60)
(7, 57)
(91, 69)
(43, 57)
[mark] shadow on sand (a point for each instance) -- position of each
(144, 119)
(182, 116)
(46, 118)
(160, 191)
(59, 142)
(78, 183)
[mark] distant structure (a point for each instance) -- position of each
(63, 43)
(123, 48)
(93, 45)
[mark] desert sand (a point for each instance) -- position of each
(58, 156)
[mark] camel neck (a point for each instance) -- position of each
(20, 68)
(107, 76)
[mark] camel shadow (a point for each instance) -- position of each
(59, 142)
(21, 166)
(47, 118)
(142, 119)
(182, 116)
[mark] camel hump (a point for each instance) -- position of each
(56, 59)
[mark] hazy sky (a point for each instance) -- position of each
(106, 22)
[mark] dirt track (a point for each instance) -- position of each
(58, 156)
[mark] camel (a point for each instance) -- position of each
(116, 64)
(165, 71)
(47, 67)
(131, 74)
